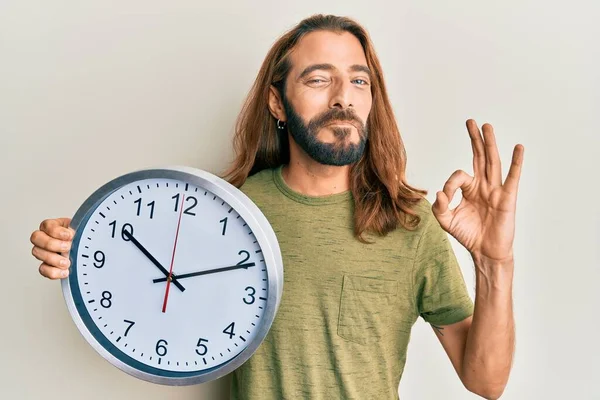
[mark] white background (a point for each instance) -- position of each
(91, 90)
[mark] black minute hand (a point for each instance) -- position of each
(154, 260)
(206, 272)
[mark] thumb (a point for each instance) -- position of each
(52, 227)
(65, 222)
(440, 209)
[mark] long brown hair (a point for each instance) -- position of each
(382, 198)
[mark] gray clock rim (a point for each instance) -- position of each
(256, 221)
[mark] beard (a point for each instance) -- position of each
(339, 153)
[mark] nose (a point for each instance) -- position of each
(341, 95)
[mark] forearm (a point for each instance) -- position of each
(490, 343)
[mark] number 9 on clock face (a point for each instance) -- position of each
(176, 275)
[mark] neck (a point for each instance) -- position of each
(313, 179)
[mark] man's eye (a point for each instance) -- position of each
(316, 80)
(361, 82)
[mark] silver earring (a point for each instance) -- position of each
(280, 124)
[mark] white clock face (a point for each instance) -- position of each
(199, 320)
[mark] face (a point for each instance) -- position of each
(328, 97)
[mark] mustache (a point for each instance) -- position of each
(336, 114)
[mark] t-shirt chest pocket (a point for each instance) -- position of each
(366, 308)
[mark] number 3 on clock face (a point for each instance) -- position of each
(176, 275)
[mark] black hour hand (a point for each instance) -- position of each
(154, 260)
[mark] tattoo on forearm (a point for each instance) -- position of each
(439, 329)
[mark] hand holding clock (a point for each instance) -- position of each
(53, 239)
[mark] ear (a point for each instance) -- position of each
(276, 104)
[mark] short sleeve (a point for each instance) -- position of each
(440, 289)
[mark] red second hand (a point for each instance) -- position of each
(164, 309)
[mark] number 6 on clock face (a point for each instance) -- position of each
(176, 275)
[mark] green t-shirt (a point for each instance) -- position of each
(345, 317)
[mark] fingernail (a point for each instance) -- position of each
(66, 234)
(64, 246)
(64, 273)
(64, 263)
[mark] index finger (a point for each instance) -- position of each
(57, 228)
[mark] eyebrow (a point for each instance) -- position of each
(330, 67)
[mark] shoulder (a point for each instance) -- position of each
(407, 233)
(258, 185)
(432, 238)
(422, 210)
(259, 178)
(421, 236)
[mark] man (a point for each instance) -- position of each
(365, 254)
